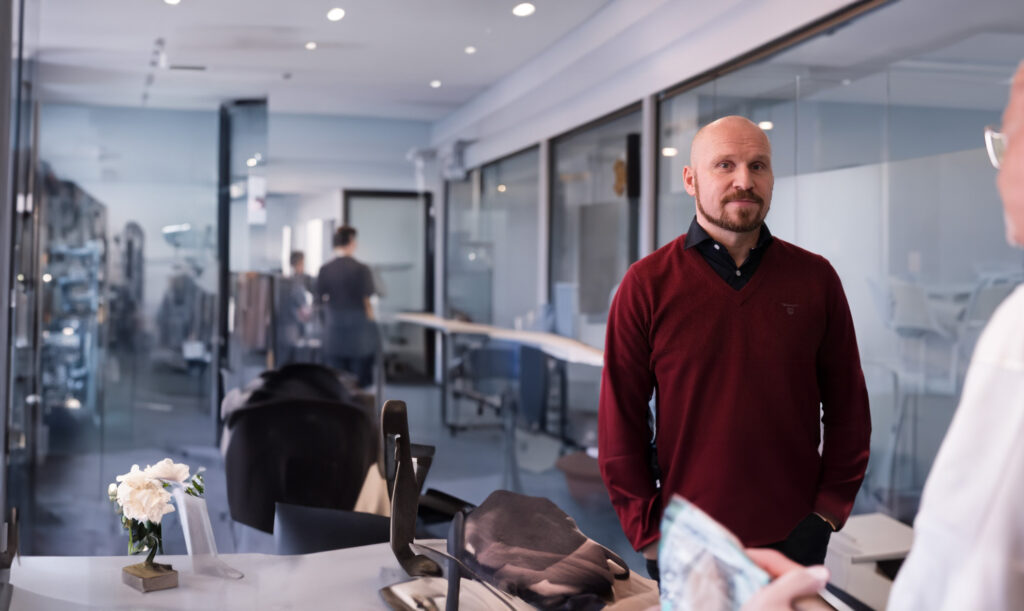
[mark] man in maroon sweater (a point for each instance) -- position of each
(741, 338)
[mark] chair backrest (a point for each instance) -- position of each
(301, 451)
(306, 530)
(911, 312)
(986, 299)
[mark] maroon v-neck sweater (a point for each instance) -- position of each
(739, 377)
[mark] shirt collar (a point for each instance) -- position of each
(696, 235)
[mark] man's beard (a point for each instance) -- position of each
(741, 226)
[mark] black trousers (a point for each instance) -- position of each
(806, 544)
(359, 366)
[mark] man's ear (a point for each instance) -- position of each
(688, 178)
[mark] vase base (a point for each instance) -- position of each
(147, 578)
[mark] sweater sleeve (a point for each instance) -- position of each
(846, 413)
(624, 435)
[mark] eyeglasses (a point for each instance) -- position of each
(995, 144)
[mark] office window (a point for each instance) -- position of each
(493, 221)
(593, 223)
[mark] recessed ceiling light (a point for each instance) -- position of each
(311, 46)
(669, 151)
(502, 188)
(766, 125)
(524, 9)
(172, 2)
(47, 277)
(435, 84)
(336, 14)
(251, 162)
(470, 50)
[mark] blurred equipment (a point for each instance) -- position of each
(73, 284)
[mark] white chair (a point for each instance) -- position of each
(914, 321)
(982, 304)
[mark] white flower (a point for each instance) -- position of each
(141, 497)
(169, 470)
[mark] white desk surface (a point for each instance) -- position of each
(872, 537)
(557, 346)
(338, 579)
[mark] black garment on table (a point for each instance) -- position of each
(718, 257)
(527, 546)
(342, 287)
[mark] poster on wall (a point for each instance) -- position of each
(257, 197)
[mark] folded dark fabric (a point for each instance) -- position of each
(530, 548)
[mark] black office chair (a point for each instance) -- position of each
(306, 530)
(302, 452)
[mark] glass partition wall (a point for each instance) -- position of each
(594, 211)
(493, 220)
(883, 171)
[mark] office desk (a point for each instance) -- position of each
(338, 579)
(348, 579)
(564, 349)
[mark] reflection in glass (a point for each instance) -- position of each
(593, 223)
(492, 243)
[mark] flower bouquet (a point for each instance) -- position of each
(142, 499)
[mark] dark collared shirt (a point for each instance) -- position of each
(718, 257)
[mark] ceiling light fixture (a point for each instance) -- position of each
(669, 151)
(435, 84)
(311, 46)
(336, 14)
(172, 2)
(524, 9)
(502, 188)
(766, 125)
(251, 162)
(470, 50)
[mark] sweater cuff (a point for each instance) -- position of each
(832, 508)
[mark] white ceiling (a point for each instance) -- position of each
(377, 61)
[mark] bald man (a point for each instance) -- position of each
(747, 345)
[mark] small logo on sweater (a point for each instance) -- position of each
(790, 307)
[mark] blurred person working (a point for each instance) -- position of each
(293, 310)
(344, 286)
(968, 550)
(744, 337)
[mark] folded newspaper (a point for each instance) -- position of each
(702, 564)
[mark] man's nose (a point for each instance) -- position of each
(743, 178)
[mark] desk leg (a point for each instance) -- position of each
(444, 380)
(563, 402)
